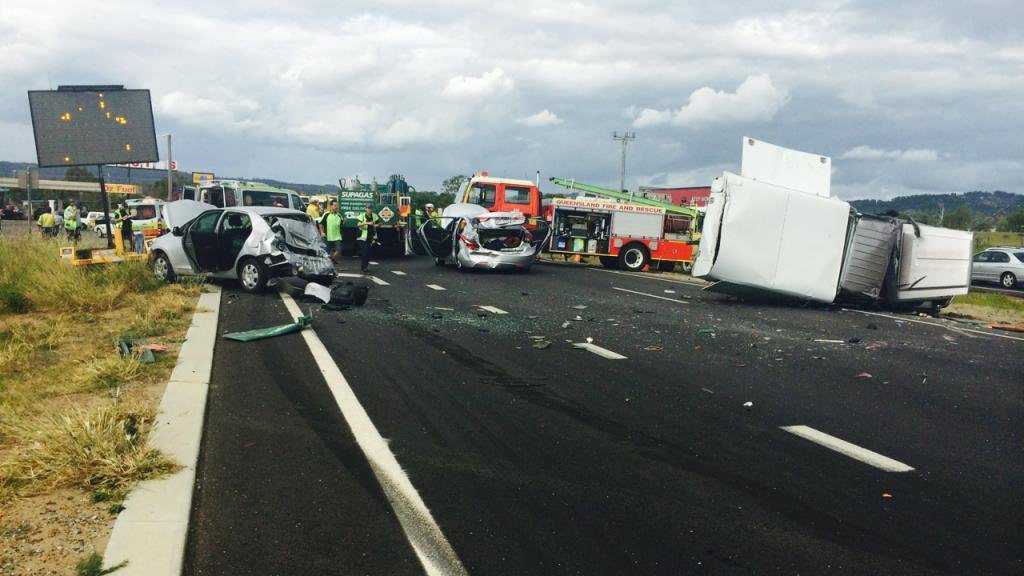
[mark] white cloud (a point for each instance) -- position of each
(543, 118)
(477, 87)
(226, 110)
(909, 155)
(756, 99)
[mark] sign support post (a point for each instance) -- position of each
(28, 192)
(106, 206)
(170, 164)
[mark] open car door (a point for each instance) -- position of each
(438, 238)
(200, 241)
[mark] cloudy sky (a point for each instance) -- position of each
(907, 97)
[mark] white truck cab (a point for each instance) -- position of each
(231, 193)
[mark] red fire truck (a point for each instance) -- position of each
(630, 236)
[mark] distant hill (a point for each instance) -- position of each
(979, 203)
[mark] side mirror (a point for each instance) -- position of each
(177, 231)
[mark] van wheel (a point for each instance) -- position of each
(1008, 280)
(609, 261)
(252, 275)
(634, 257)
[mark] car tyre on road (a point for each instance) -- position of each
(634, 257)
(252, 275)
(1008, 280)
(162, 268)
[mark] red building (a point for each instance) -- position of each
(696, 196)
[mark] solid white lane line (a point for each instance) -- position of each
(398, 272)
(602, 352)
(430, 544)
(492, 309)
(916, 321)
(435, 287)
(648, 276)
(847, 449)
(651, 295)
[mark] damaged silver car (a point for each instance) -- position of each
(254, 244)
(474, 238)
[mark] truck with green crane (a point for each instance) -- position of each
(390, 201)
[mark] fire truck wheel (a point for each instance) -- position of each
(634, 257)
(609, 261)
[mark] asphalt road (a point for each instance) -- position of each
(559, 460)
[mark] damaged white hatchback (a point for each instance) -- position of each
(254, 244)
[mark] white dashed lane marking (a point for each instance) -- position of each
(602, 352)
(435, 287)
(492, 309)
(398, 273)
(650, 295)
(847, 449)
(377, 281)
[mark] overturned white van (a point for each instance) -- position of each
(777, 228)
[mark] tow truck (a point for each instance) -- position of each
(390, 202)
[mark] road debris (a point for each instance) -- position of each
(748, 405)
(318, 291)
(864, 375)
(566, 324)
(653, 348)
(272, 331)
(823, 341)
(579, 307)
(1008, 327)
(707, 390)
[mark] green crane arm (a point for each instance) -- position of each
(616, 195)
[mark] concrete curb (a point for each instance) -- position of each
(151, 533)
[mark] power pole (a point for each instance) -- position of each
(625, 138)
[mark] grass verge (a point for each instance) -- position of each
(988, 307)
(74, 414)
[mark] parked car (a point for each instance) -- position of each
(471, 237)
(90, 219)
(12, 212)
(254, 244)
(1002, 264)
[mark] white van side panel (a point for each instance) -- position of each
(938, 264)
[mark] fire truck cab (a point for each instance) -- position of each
(630, 236)
(505, 195)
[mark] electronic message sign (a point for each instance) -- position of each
(92, 125)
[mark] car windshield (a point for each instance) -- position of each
(264, 198)
(298, 232)
(1019, 256)
(145, 211)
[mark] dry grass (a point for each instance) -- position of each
(989, 307)
(100, 449)
(73, 413)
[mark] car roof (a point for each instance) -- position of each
(263, 210)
